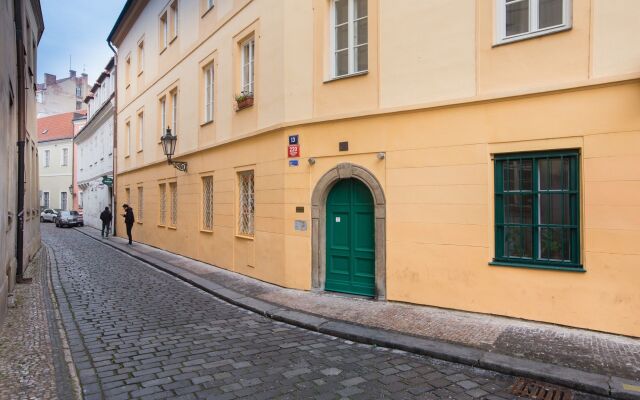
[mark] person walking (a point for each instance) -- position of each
(106, 217)
(128, 220)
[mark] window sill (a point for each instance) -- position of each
(139, 151)
(138, 222)
(246, 237)
(577, 268)
(128, 86)
(206, 123)
(162, 50)
(207, 11)
(173, 39)
(206, 231)
(337, 78)
(127, 156)
(531, 35)
(161, 226)
(172, 227)
(140, 73)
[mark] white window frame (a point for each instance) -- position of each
(174, 16)
(501, 22)
(127, 133)
(46, 199)
(209, 98)
(64, 156)
(174, 112)
(163, 115)
(47, 158)
(351, 40)
(248, 87)
(65, 202)
(164, 20)
(140, 131)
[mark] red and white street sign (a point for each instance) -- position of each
(294, 150)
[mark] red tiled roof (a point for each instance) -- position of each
(56, 127)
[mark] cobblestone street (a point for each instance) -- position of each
(135, 332)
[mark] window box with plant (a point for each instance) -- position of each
(244, 100)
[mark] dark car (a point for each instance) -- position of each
(68, 218)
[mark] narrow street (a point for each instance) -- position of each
(136, 332)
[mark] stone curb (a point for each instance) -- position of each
(599, 384)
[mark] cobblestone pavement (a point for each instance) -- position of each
(26, 346)
(138, 333)
(590, 351)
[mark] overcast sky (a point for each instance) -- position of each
(76, 28)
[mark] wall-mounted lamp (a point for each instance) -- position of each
(312, 161)
(381, 155)
(169, 147)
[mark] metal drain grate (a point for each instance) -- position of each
(539, 390)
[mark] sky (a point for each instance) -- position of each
(76, 28)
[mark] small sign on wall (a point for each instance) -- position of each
(293, 163)
(293, 139)
(300, 225)
(294, 150)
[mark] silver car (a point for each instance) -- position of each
(48, 215)
(68, 218)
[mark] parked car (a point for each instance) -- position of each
(68, 218)
(48, 215)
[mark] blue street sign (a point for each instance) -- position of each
(293, 163)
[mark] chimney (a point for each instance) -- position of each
(72, 73)
(49, 79)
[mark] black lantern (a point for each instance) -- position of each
(169, 148)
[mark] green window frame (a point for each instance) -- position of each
(537, 210)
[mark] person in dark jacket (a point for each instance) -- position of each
(106, 217)
(128, 220)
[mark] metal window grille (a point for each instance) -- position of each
(163, 204)
(247, 204)
(207, 203)
(173, 189)
(140, 204)
(537, 208)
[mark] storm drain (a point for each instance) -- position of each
(539, 390)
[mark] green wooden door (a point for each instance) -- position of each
(350, 239)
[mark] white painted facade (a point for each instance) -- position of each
(95, 149)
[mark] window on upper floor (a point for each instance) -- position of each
(174, 19)
(208, 92)
(248, 55)
(140, 56)
(127, 71)
(174, 111)
(163, 115)
(64, 159)
(537, 209)
(349, 37)
(164, 31)
(210, 3)
(47, 158)
(78, 91)
(521, 19)
(39, 97)
(140, 131)
(127, 139)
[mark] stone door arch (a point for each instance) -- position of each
(318, 223)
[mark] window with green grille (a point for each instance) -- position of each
(537, 208)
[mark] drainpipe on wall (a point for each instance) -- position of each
(115, 136)
(20, 97)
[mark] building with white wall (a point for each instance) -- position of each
(95, 148)
(56, 96)
(55, 146)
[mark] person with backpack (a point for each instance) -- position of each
(106, 217)
(128, 220)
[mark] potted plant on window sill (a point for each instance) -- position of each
(244, 100)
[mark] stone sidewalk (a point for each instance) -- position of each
(32, 363)
(591, 361)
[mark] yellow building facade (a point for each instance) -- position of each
(498, 143)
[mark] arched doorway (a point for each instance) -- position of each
(351, 180)
(350, 239)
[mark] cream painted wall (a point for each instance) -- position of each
(56, 178)
(616, 28)
(427, 51)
